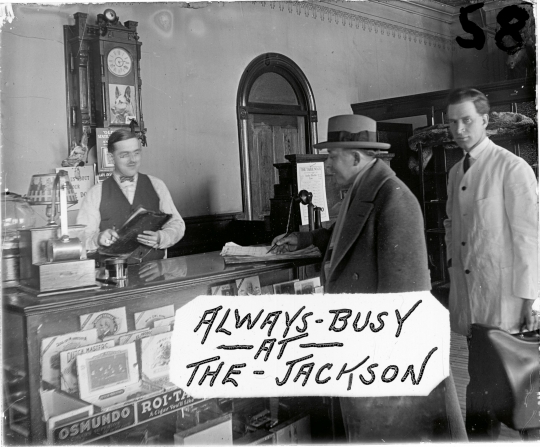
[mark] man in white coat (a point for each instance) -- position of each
(491, 238)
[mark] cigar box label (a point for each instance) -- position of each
(108, 322)
(68, 365)
(155, 356)
(307, 286)
(169, 321)
(147, 318)
(129, 337)
(248, 286)
(95, 427)
(107, 372)
(224, 289)
(161, 404)
(51, 348)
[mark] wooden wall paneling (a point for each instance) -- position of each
(397, 135)
(433, 104)
(210, 233)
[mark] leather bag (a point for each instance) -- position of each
(507, 367)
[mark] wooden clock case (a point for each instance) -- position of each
(89, 81)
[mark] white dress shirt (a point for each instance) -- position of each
(90, 216)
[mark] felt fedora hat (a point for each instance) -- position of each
(352, 132)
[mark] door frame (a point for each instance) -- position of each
(282, 65)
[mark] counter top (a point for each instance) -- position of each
(154, 276)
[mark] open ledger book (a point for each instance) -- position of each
(236, 254)
(140, 220)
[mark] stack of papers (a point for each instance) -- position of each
(236, 254)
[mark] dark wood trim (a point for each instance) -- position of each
(211, 218)
(434, 103)
(210, 233)
(276, 63)
(276, 111)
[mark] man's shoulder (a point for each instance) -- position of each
(502, 159)
(157, 183)
(92, 197)
(502, 154)
(396, 190)
(96, 189)
(152, 178)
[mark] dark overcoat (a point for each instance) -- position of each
(382, 247)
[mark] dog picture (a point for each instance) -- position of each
(122, 109)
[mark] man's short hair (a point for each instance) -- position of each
(479, 100)
(119, 135)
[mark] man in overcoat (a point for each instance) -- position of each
(377, 245)
(491, 238)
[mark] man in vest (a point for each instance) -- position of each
(109, 204)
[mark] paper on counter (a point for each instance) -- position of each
(237, 250)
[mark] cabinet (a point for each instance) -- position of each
(28, 320)
(433, 195)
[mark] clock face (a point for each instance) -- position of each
(109, 14)
(119, 62)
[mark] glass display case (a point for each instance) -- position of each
(42, 411)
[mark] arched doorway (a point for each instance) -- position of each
(276, 117)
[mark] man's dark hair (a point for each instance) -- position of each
(479, 100)
(119, 135)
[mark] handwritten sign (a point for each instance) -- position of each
(311, 178)
(511, 19)
(331, 345)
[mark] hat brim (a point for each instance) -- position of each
(351, 145)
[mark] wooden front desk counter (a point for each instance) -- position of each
(28, 319)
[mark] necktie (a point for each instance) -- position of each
(126, 178)
(466, 163)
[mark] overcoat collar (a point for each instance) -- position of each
(360, 208)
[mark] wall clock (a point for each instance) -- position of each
(119, 62)
(103, 76)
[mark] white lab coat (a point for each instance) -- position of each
(492, 233)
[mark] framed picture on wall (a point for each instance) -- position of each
(123, 104)
(104, 158)
(106, 162)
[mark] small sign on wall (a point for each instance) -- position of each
(105, 161)
(311, 178)
(82, 178)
